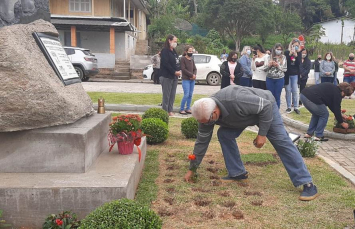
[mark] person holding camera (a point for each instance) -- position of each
(276, 68)
(294, 57)
(259, 66)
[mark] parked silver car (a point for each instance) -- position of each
(84, 62)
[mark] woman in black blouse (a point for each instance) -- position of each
(170, 72)
(231, 70)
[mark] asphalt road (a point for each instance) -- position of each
(138, 87)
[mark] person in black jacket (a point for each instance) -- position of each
(293, 56)
(305, 68)
(317, 98)
(316, 69)
(229, 78)
(169, 71)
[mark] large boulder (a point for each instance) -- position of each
(31, 94)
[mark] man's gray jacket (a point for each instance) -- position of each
(240, 107)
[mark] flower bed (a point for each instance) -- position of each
(349, 119)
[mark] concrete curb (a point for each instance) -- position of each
(339, 169)
(131, 107)
(301, 126)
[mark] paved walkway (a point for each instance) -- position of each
(339, 154)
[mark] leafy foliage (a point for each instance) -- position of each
(66, 219)
(189, 127)
(156, 130)
(123, 213)
(3, 223)
(156, 113)
(308, 148)
(125, 123)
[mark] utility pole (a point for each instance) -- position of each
(342, 29)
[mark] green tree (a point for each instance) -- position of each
(238, 18)
(313, 38)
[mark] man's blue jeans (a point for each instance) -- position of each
(320, 115)
(349, 79)
(277, 135)
(275, 86)
(292, 86)
(188, 87)
(246, 82)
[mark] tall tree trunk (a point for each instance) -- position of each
(195, 6)
(237, 44)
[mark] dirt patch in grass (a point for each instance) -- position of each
(212, 170)
(216, 183)
(169, 174)
(229, 204)
(170, 160)
(211, 162)
(251, 193)
(224, 194)
(169, 200)
(170, 190)
(199, 189)
(173, 167)
(214, 177)
(165, 212)
(202, 202)
(257, 202)
(168, 181)
(209, 214)
(238, 214)
(243, 184)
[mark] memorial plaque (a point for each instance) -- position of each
(57, 57)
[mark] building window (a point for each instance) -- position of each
(80, 5)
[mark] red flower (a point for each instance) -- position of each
(126, 120)
(350, 118)
(343, 111)
(192, 157)
(114, 118)
(59, 222)
(137, 142)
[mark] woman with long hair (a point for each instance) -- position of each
(188, 69)
(245, 61)
(170, 71)
(293, 56)
(327, 68)
(305, 68)
(231, 70)
(259, 66)
(275, 77)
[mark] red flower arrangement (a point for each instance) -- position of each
(349, 119)
(125, 131)
(193, 166)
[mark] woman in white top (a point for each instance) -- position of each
(259, 66)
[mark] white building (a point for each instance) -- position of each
(333, 30)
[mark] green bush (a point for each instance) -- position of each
(189, 127)
(156, 130)
(156, 113)
(307, 148)
(123, 213)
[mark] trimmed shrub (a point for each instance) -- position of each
(308, 148)
(156, 129)
(189, 127)
(156, 113)
(123, 213)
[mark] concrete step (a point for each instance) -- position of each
(27, 198)
(121, 77)
(120, 74)
(69, 148)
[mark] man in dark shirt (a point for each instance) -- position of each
(316, 69)
(317, 98)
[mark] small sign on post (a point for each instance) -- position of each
(57, 57)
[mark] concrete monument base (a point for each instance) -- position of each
(28, 198)
(62, 149)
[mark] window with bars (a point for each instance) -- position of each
(80, 5)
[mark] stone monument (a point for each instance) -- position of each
(23, 11)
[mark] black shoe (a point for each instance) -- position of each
(236, 178)
(309, 192)
(297, 111)
(288, 110)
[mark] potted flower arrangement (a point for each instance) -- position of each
(125, 130)
(349, 119)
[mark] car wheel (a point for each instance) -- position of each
(80, 73)
(213, 79)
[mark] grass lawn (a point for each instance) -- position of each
(266, 200)
(305, 116)
(136, 98)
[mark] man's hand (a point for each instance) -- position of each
(188, 176)
(177, 73)
(344, 116)
(232, 77)
(193, 77)
(345, 125)
(259, 141)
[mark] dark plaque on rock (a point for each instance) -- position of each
(23, 11)
(57, 57)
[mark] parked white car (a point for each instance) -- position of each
(311, 79)
(207, 69)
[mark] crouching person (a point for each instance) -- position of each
(234, 108)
